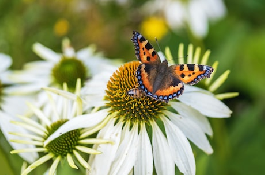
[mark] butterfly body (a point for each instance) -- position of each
(157, 79)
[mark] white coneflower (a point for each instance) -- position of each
(58, 68)
(68, 145)
(196, 14)
(7, 110)
(170, 125)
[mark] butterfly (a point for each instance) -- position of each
(158, 80)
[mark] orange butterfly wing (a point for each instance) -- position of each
(169, 88)
(191, 73)
(144, 51)
(166, 84)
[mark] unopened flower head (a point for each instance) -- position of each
(41, 125)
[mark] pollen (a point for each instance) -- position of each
(131, 108)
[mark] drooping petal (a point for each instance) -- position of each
(54, 166)
(105, 159)
(95, 90)
(191, 130)
(175, 14)
(37, 163)
(164, 163)
(217, 9)
(35, 67)
(81, 160)
(87, 150)
(95, 61)
(197, 18)
(188, 112)
(71, 161)
(206, 104)
(25, 88)
(180, 148)
(82, 121)
(7, 127)
(19, 102)
(144, 162)
(126, 153)
(46, 53)
(5, 61)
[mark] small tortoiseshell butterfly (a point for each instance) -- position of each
(158, 80)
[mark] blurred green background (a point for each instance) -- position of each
(237, 41)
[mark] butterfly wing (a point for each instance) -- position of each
(170, 86)
(144, 51)
(146, 74)
(191, 73)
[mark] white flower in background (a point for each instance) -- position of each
(194, 13)
(6, 62)
(120, 2)
(133, 120)
(68, 145)
(57, 68)
(11, 106)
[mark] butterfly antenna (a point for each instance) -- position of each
(158, 44)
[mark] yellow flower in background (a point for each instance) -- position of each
(61, 27)
(154, 27)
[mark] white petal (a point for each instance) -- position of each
(180, 148)
(197, 19)
(5, 61)
(63, 93)
(54, 166)
(5, 77)
(144, 162)
(82, 121)
(191, 130)
(206, 104)
(161, 56)
(189, 88)
(164, 163)
(95, 62)
(105, 159)
(7, 127)
(46, 53)
(37, 163)
(25, 89)
(188, 112)
(86, 53)
(126, 153)
(19, 102)
(40, 75)
(94, 91)
(217, 9)
(37, 65)
(175, 14)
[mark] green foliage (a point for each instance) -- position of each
(237, 42)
